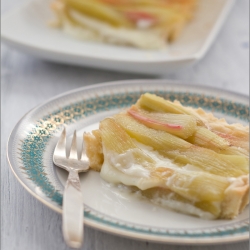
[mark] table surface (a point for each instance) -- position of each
(27, 81)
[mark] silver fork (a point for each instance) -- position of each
(73, 211)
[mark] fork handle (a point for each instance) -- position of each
(73, 211)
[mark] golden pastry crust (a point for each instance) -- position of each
(236, 198)
(94, 151)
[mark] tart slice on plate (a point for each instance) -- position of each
(149, 24)
(178, 157)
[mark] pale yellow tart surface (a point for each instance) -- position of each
(146, 24)
(178, 157)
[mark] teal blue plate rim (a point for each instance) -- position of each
(241, 231)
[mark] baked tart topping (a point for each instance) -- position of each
(179, 157)
(146, 24)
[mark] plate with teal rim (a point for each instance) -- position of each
(108, 207)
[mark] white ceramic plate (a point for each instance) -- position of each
(26, 28)
(107, 208)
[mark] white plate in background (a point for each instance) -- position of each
(26, 28)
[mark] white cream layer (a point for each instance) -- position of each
(123, 169)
